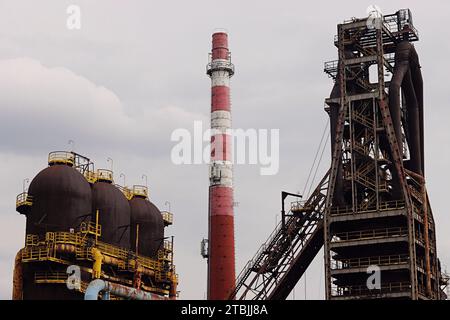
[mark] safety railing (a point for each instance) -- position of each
(31, 240)
(140, 191)
(67, 238)
(48, 248)
(363, 290)
(252, 263)
(167, 217)
(331, 68)
(399, 21)
(84, 253)
(36, 254)
(368, 202)
(370, 234)
(91, 228)
(383, 206)
(164, 255)
(90, 176)
(300, 206)
(368, 261)
(126, 191)
(105, 175)
(50, 277)
(220, 64)
(112, 251)
(149, 263)
(63, 157)
(23, 199)
(166, 276)
(168, 245)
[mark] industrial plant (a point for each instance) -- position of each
(371, 210)
(89, 238)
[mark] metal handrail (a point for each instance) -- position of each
(383, 206)
(56, 276)
(368, 261)
(23, 199)
(61, 157)
(370, 234)
(359, 290)
(140, 191)
(104, 174)
(90, 176)
(220, 65)
(167, 217)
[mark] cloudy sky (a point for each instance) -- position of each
(136, 71)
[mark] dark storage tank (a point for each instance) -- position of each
(114, 210)
(62, 199)
(151, 226)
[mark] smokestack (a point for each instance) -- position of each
(221, 261)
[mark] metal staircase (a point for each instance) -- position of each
(284, 257)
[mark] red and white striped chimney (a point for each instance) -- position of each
(221, 260)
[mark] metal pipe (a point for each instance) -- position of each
(407, 76)
(413, 129)
(417, 79)
(98, 285)
(98, 259)
(94, 288)
(70, 248)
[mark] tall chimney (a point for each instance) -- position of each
(221, 261)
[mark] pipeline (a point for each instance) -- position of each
(17, 293)
(70, 248)
(408, 77)
(108, 288)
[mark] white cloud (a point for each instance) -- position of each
(43, 106)
(134, 73)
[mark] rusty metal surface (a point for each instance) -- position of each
(114, 213)
(62, 199)
(369, 174)
(151, 227)
(283, 258)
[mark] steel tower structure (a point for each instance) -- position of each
(221, 260)
(371, 211)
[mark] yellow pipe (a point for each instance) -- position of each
(70, 248)
(98, 259)
(17, 293)
(96, 227)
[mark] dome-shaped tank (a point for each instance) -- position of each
(114, 212)
(62, 199)
(151, 226)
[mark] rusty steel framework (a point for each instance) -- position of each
(372, 207)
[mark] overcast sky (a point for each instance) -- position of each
(136, 71)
